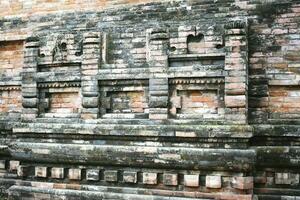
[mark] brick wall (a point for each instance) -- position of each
(11, 102)
(11, 58)
(182, 98)
(30, 7)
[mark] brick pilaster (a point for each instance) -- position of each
(29, 84)
(236, 67)
(89, 70)
(157, 47)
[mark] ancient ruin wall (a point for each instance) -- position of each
(182, 99)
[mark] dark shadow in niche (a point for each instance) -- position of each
(196, 44)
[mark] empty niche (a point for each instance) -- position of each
(196, 98)
(124, 99)
(60, 102)
(196, 44)
(11, 58)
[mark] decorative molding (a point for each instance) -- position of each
(196, 81)
(59, 84)
(236, 24)
(10, 87)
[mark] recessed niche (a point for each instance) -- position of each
(196, 44)
(10, 102)
(124, 99)
(201, 98)
(60, 102)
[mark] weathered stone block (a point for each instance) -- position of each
(40, 172)
(191, 180)
(213, 182)
(111, 175)
(149, 178)
(90, 102)
(57, 172)
(170, 179)
(92, 174)
(235, 101)
(75, 174)
(129, 177)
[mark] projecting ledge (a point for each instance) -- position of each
(131, 128)
(138, 156)
(17, 192)
(279, 130)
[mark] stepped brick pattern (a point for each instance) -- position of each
(150, 99)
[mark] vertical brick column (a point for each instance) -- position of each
(89, 70)
(236, 66)
(157, 47)
(29, 84)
